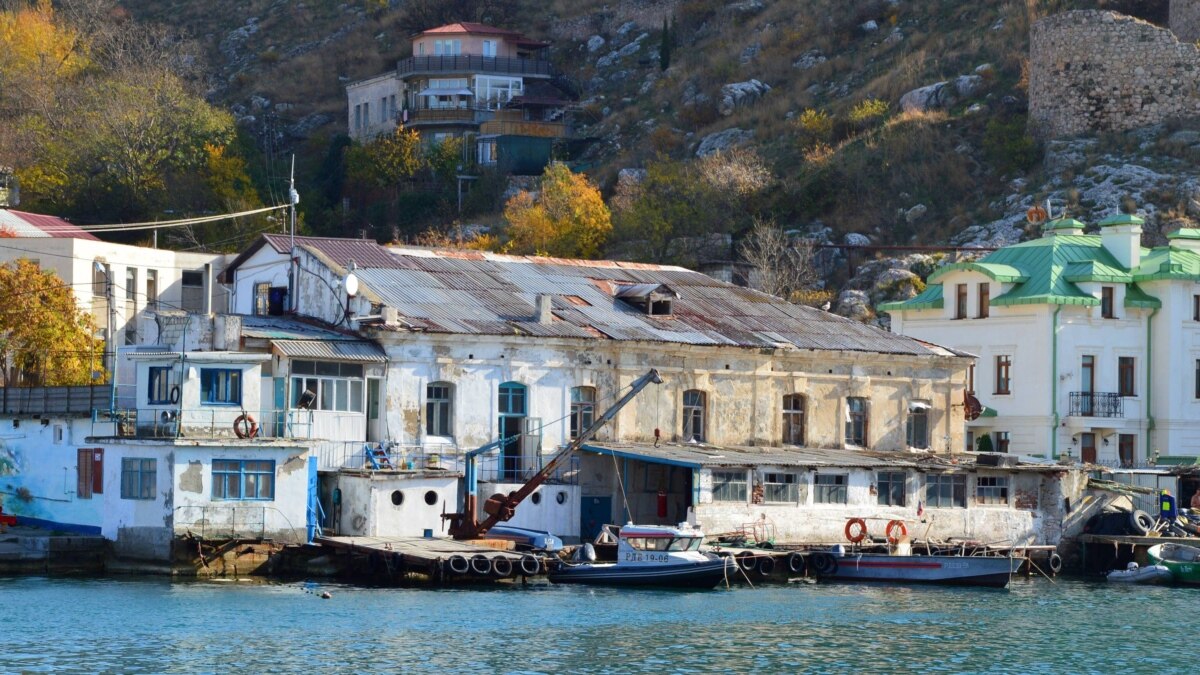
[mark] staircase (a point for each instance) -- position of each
(377, 457)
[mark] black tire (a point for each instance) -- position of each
(823, 564)
(796, 562)
(530, 565)
(481, 565)
(1140, 522)
(458, 564)
(502, 567)
(1054, 562)
(746, 560)
(766, 566)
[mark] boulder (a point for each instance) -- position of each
(896, 284)
(723, 140)
(740, 94)
(750, 53)
(915, 213)
(855, 305)
(809, 59)
(594, 43)
(968, 85)
(626, 27)
(869, 27)
(930, 97)
(855, 239)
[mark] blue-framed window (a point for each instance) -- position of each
(243, 479)
(160, 385)
(512, 398)
(138, 478)
(220, 386)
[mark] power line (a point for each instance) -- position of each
(180, 222)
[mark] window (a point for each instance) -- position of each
(856, 421)
(960, 304)
(991, 490)
(1125, 449)
(583, 409)
(159, 391)
(971, 379)
(243, 479)
(829, 488)
(985, 295)
(1125, 376)
(1197, 378)
(891, 487)
(1001, 441)
(100, 272)
(333, 386)
(693, 415)
(152, 289)
(138, 478)
(793, 419)
(489, 48)
(366, 114)
(357, 117)
(917, 428)
(192, 284)
(1106, 302)
(220, 386)
(512, 398)
(262, 299)
(945, 491)
(781, 488)
(447, 47)
(970, 439)
(438, 406)
(131, 284)
(729, 486)
(1003, 374)
(1196, 308)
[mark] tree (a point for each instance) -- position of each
(568, 218)
(782, 267)
(44, 338)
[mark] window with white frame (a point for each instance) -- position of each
(946, 491)
(830, 488)
(781, 488)
(991, 490)
(439, 405)
(494, 92)
(891, 488)
(917, 425)
(333, 386)
(447, 47)
(729, 486)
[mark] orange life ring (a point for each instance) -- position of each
(856, 534)
(245, 426)
(892, 527)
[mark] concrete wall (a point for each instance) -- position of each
(371, 92)
(1093, 70)
(38, 465)
(1185, 19)
(367, 506)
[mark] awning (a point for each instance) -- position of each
(337, 350)
(435, 91)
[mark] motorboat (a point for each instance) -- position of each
(971, 570)
(1136, 574)
(526, 539)
(651, 555)
(1182, 560)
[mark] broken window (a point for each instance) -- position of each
(583, 409)
(793, 419)
(729, 486)
(192, 284)
(693, 415)
(991, 490)
(652, 299)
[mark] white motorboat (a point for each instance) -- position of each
(652, 555)
(1136, 574)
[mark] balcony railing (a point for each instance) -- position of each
(1096, 404)
(218, 423)
(467, 63)
(524, 128)
(448, 116)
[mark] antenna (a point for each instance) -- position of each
(293, 199)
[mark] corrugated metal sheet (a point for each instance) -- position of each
(33, 225)
(337, 350)
(745, 456)
(284, 328)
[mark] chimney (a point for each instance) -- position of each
(1063, 226)
(1186, 238)
(1121, 235)
(543, 314)
(390, 316)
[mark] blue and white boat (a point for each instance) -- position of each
(652, 555)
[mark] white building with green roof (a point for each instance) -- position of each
(1088, 345)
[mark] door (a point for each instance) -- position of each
(1088, 447)
(281, 407)
(1125, 449)
(594, 513)
(1088, 386)
(374, 425)
(512, 426)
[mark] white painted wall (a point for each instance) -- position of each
(541, 510)
(265, 266)
(367, 507)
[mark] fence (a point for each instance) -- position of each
(218, 422)
(54, 400)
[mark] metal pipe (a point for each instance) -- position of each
(1149, 389)
(1054, 381)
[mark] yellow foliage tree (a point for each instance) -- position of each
(37, 52)
(568, 219)
(44, 338)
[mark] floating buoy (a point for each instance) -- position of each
(326, 595)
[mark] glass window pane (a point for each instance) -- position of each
(356, 396)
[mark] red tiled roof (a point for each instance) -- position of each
(476, 28)
(24, 224)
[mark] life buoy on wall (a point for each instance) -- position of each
(245, 426)
(896, 530)
(173, 396)
(856, 530)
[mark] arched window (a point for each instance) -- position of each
(583, 409)
(439, 409)
(694, 402)
(793, 419)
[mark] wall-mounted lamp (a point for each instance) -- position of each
(1075, 440)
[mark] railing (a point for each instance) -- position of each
(493, 470)
(54, 400)
(525, 128)
(1096, 404)
(336, 455)
(447, 115)
(473, 64)
(218, 422)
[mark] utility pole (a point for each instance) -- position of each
(293, 200)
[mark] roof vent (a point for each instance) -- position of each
(653, 299)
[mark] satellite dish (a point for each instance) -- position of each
(1035, 215)
(351, 285)
(973, 407)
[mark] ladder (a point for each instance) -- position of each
(377, 457)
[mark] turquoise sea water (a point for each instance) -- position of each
(152, 625)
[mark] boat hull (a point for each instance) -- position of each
(1182, 561)
(679, 575)
(1151, 574)
(960, 570)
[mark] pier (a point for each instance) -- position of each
(437, 559)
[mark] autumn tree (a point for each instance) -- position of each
(387, 159)
(567, 218)
(44, 338)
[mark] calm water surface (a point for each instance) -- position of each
(152, 625)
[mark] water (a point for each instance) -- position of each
(153, 625)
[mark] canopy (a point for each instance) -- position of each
(435, 91)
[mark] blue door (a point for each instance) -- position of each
(594, 513)
(512, 417)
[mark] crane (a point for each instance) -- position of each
(501, 508)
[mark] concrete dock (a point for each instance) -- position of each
(437, 559)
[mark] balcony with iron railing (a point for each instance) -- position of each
(224, 423)
(470, 63)
(1096, 404)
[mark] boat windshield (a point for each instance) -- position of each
(684, 544)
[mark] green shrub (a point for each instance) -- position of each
(1008, 146)
(868, 112)
(814, 127)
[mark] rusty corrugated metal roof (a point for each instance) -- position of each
(703, 455)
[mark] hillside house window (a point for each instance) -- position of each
(159, 391)
(1106, 302)
(891, 487)
(830, 488)
(693, 415)
(1125, 376)
(439, 406)
(991, 490)
(1001, 441)
(1004, 374)
(985, 299)
(152, 289)
(946, 491)
(138, 478)
(729, 486)
(583, 409)
(917, 427)
(856, 421)
(262, 299)
(243, 480)
(332, 386)
(960, 301)
(489, 48)
(366, 114)
(358, 117)
(494, 92)
(793, 419)
(220, 386)
(447, 47)
(781, 488)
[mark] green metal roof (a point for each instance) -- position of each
(1065, 224)
(1168, 263)
(1185, 233)
(1094, 270)
(1045, 261)
(1121, 219)
(930, 298)
(1136, 297)
(1002, 273)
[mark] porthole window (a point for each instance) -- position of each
(561, 497)
(397, 497)
(431, 497)
(536, 498)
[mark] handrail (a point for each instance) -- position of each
(1096, 404)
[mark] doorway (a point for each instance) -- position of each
(374, 421)
(594, 513)
(1087, 444)
(512, 422)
